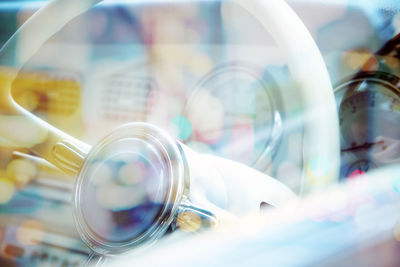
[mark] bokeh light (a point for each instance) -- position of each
(337, 205)
(21, 171)
(28, 99)
(392, 62)
(104, 173)
(396, 231)
(30, 232)
(182, 127)
(360, 59)
(132, 173)
(207, 117)
(364, 214)
(118, 197)
(7, 190)
(189, 221)
(396, 184)
(319, 171)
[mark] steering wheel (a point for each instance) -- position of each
(184, 180)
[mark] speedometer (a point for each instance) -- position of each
(369, 114)
(235, 112)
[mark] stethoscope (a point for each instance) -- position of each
(178, 187)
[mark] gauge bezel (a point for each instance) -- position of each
(348, 88)
(178, 186)
(388, 80)
(263, 160)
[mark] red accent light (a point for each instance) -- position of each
(355, 174)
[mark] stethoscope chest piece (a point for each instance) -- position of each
(129, 189)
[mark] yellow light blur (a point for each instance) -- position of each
(392, 62)
(30, 232)
(319, 172)
(21, 171)
(28, 99)
(189, 221)
(36, 91)
(360, 59)
(7, 190)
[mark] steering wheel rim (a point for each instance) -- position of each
(305, 64)
(321, 137)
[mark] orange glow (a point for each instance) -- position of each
(189, 221)
(30, 232)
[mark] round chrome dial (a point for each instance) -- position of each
(369, 114)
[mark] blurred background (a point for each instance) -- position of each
(209, 74)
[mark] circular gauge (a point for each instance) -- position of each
(234, 112)
(369, 114)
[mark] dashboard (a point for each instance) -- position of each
(211, 76)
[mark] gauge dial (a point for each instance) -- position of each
(235, 113)
(369, 114)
